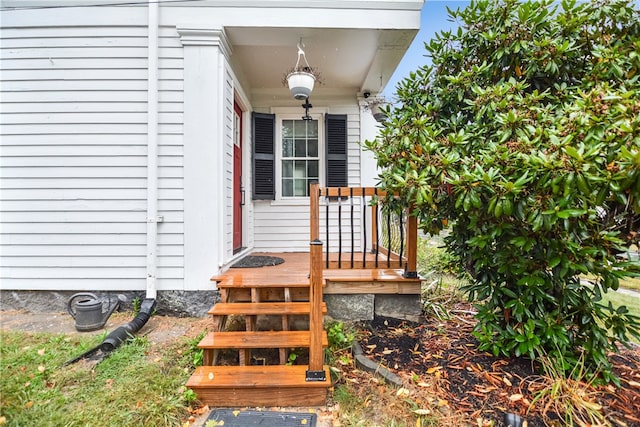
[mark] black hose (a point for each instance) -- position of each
(126, 331)
(119, 335)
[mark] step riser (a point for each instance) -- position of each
(267, 295)
(274, 396)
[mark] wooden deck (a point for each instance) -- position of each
(295, 270)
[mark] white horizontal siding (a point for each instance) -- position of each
(73, 156)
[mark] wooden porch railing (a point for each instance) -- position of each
(359, 232)
(351, 218)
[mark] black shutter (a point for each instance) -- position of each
(264, 156)
(336, 131)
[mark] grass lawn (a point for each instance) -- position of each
(133, 386)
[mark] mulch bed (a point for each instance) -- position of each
(440, 358)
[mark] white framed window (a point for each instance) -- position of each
(299, 154)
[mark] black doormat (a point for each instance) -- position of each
(237, 418)
(253, 261)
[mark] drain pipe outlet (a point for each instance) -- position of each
(126, 331)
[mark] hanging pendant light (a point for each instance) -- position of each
(302, 79)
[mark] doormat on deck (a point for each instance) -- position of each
(236, 418)
(252, 261)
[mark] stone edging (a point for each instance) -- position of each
(366, 364)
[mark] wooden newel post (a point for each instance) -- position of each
(411, 269)
(316, 355)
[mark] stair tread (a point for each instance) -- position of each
(254, 377)
(253, 308)
(258, 339)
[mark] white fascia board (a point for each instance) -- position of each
(321, 4)
(292, 18)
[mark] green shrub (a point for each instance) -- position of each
(525, 134)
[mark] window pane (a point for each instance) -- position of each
(300, 128)
(312, 146)
(287, 147)
(300, 187)
(287, 128)
(312, 170)
(287, 168)
(312, 128)
(300, 169)
(287, 187)
(301, 148)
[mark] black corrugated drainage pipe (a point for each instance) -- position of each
(124, 332)
(120, 334)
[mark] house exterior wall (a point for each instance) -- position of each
(74, 142)
(73, 156)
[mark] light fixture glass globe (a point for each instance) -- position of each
(300, 84)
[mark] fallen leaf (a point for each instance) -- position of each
(634, 384)
(422, 411)
(27, 384)
(387, 351)
(3, 420)
(372, 346)
(41, 369)
(41, 352)
(402, 392)
(138, 404)
(515, 397)
(29, 404)
(442, 403)
(433, 369)
(507, 382)
(422, 384)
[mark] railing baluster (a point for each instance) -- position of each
(389, 237)
(375, 211)
(339, 228)
(401, 238)
(326, 201)
(352, 228)
(363, 207)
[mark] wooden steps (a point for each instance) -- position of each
(276, 312)
(257, 339)
(273, 385)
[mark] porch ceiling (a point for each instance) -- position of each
(350, 61)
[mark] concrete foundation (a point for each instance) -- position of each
(366, 306)
(198, 303)
(169, 303)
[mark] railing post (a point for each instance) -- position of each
(411, 269)
(316, 355)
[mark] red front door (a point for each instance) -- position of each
(238, 192)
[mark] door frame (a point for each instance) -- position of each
(239, 196)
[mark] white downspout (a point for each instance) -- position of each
(152, 149)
